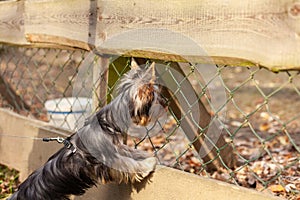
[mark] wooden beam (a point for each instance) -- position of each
(69, 23)
(221, 155)
(100, 82)
(11, 96)
(12, 22)
(260, 32)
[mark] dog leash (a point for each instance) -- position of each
(60, 140)
(63, 141)
(21, 137)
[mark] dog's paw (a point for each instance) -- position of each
(148, 166)
(151, 163)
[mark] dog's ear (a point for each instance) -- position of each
(152, 71)
(134, 65)
(150, 74)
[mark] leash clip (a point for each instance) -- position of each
(63, 141)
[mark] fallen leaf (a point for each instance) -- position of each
(276, 188)
(264, 127)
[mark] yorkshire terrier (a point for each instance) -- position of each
(95, 153)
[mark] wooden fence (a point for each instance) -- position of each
(260, 32)
(246, 33)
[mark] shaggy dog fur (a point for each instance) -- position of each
(99, 155)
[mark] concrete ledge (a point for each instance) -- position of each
(19, 146)
(168, 183)
(20, 151)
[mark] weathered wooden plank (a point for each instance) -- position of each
(63, 22)
(263, 32)
(260, 31)
(12, 22)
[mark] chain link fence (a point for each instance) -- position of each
(259, 119)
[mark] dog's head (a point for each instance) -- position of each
(145, 101)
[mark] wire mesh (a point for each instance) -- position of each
(259, 117)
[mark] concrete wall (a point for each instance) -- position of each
(167, 183)
(19, 150)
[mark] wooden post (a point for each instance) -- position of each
(10, 95)
(215, 157)
(100, 81)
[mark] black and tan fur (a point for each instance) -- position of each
(100, 156)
